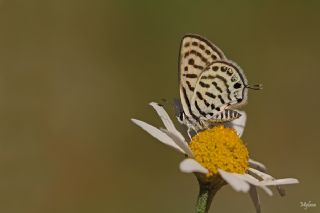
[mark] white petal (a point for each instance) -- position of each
(190, 165)
(172, 131)
(234, 181)
(284, 181)
(250, 179)
(182, 144)
(254, 181)
(257, 165)
(268, 180)
(158, 134)
(163, 115)
(263, 175)
(239, 123)
(255, 198)
(166, 120)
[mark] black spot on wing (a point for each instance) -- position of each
(225, 82)
(198, 54)
(198, 67)
(221, 78)
(223, 68)
(199, 110)
(221, 99)
(194, 43)
(229, 72)
(214, 57)
(191, 88)
(191, 75)
(215, 68)
(199, 95)
(204, 84)
(233, 78)
(206, 102)
(211, 95)
(237, 85)
(207, 68)
(188, 103)
(209, 44)
(216, 86)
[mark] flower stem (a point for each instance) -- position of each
(206, 194)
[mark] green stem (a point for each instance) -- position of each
(206, 194)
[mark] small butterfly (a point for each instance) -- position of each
(211, 85)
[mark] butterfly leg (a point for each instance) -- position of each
(189, 133)
(192, 130)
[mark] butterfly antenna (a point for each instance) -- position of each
(255, 86)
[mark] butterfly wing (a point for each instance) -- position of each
(196, 53)
(221, 86)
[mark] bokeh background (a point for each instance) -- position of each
(72, 74)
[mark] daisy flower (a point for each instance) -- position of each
(217, 156)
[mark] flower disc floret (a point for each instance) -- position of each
(220, 148)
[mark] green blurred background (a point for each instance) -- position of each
(72, 74)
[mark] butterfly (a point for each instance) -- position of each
(211, 86)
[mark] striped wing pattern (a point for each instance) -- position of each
(196, 53)
(220, 87)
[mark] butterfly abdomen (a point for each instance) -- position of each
(226, 115)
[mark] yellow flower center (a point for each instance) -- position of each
(220, 148)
